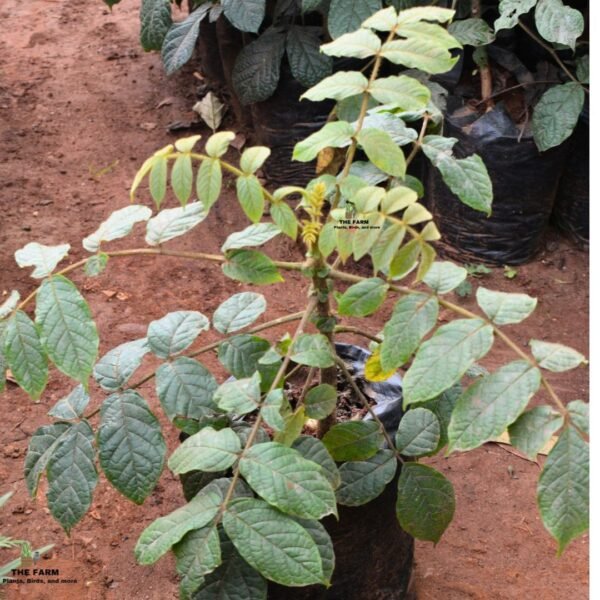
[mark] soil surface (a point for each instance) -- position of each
(81, 106)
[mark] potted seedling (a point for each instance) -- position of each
(275, 469)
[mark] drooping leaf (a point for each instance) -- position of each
(180, 41)
(208, 450)
(116, 367)
(314, 450)
(239, 311)
(363, 298)
(254, 235)
(173, 222)
(118, 225)
(308, 64)
(563, 488)
(245, 15)
(211, 110)
(275, 545)
(166, 531)
(444, 358)
(354, 440)
(503, 308)
(284, 479)
(43, 258)
(425, 504)
(466, 177)
(382, 151)
(312, 350)
(197, 554)
(556, 114)
(72, 405)
(491, 404)
(241, 353)
(363, 481)
(443, 277)
(131, 446)
(155, 20)
(175, 332)
(24, 354)
(510, 11)
(240, 396)
(67, 331)
(337, 134)
(185, 388)
(373, 369)
(256, 70)
(555, 357)
(72, 475)
(41, 447)
(361, 43)
(558, 23)
(347, 15)
(418, 433)
(472, 32)
(413, 317)
(533, 429)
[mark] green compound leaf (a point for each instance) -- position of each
(175, 332)
(556, 114)
(180, 41)
(24, 355)
(443, 359)
(257, 67)
(284, 479)
(245, 15)
(131, 446)
(174, 222)
(197, 554)
(117, 366)
(314, 450)
(491, 404)
(161, 534)
(466, 177)
(253, 235)
(443, 277)
(308, 64)
(364, 298)
(558, 23)
(239, 311)
(155, 20)
(41, 447)
(208, 450)
(240, 354)
(275, 545)
(67, 331)
(425, 504)
(209, 181)
(337, 134)
(413, 317)
(533, 430)
(250, 195)
(347, 15)
(563, 488)
(363, 481)
(503, 308)
(72, 475)
(313, 350)
(251, 266)
(235, 579)
(418, 433)
(240, 396)
(185, 388)
(71, 406)
(355, 440)
(320, 401)
(382, 151)
(555, 357)
(340, 85)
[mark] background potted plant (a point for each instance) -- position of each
(277, 472)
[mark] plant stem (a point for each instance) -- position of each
(555, 56)
(366, 404)
(419, 142)
(254, 431)
(515, 87)
(485, 72)
(357, 331)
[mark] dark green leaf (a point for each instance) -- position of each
(472, 32)
(71, 406)
(347, 15)
(313, 449)
(533, 429)
(418, 433)
(240, 396)
(117, 366)
(251, 266)
(320, 401)
(240, 354)
(354, 440)
(579, 412)
(245, 15)
(155, 19)
(313, 350)
(175, 332)
(308, 64)
(364, 298)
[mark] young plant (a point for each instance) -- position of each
(261, 483)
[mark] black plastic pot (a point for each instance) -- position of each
(525, 184)
(571, 212)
